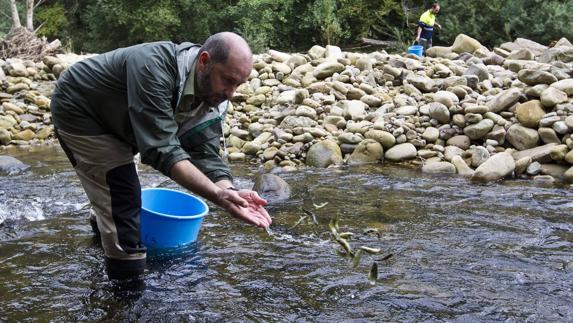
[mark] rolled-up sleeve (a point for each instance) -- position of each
(151, 82)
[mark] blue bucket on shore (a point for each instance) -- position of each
(417, 50)
(170, 218)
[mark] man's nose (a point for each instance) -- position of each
(229, 91)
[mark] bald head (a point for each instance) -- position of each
(224, 45)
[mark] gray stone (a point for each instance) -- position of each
(10, 165)
(565, 85)
(534, 77)
(495, 168)
(552, 97)
(324, 154)
(554, 170)
(385, 138)
(439, 168)
(521, 137)
(327, 68)
(451, 152)
(521, 54)
(541, 153)
(465, 44)
(5, 136)
(271, 187)
(421, 82)
(534, 169)
(407, 110)
(439, 112)
(479, 156)
(478, 130)
(504, 100)
(431, 134)
(548, 135)
(461, 167)
(568, 175)
(292, 122)
(479, 70)
(446, 98)
(401, 152)
(521, 165)
(368, 151)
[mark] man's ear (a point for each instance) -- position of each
(203, 60)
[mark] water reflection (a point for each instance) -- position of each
(462, 252)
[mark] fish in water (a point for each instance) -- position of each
(271, 187)
(371, 251)
(356, 259)
(373, 274)
(312, 216)
(345, 245)
(333, 225)
(346, 235)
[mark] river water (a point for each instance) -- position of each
(461, 252)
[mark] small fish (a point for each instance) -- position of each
(333, 225)
(356, 259)
(370, 231)
(312, 216)
(269, 231)
(320, 206)
(346, 235)
(373, 274)
(371, 251)
(302, 218)
(388, 256)
(345, 245)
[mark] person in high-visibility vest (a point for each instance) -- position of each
(426, 26)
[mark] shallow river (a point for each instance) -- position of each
(461, 252)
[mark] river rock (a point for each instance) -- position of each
(559, 152)
(292, 122)
(461, 167)
(353, 109)
(10, 165)
(465, 44)
(568, 175)
(431, 134)
(446, 98)
(504, 100)
(479, 130)
(529, 113)
(316, 52)
(521, 137)
(327, 68)
(521, 54)
(368, 151)
(563, 54)
(401, 152)
(407, 110)
(439, 168)
(479, 156)
(521, 165)
(534, 169)
(237, 157)
(534, 77)
(548, 135)
(324, 154)
(385, 138)
(271, 187)
(565, 85)
(569, 157)
(541, 153)
(496, 167)
(479, 70)
(439, 112)
(421, 82)
(25, 135)
(554, 170)
(552, 96)
(5, 136)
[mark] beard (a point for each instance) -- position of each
(206, 93)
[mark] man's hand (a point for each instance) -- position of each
(438, 26)
(245, 205)
(418, 39)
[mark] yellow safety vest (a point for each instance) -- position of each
(428, 18)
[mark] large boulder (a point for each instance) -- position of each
(565, 85)
(271, 187)
(552, 96)
(324, 154)
(562, 53)
(496, 167)
(368, 151)
(465, 44)
(439, 168)
(538, 154)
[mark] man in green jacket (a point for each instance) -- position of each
(167, 102)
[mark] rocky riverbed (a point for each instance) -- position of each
(464, 109)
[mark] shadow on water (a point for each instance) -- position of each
(462, 252)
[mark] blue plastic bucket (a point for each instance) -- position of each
(416, 50)
(170, 218)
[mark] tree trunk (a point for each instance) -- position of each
(15, 18)
(30, 15)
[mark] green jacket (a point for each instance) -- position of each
(144, 94)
